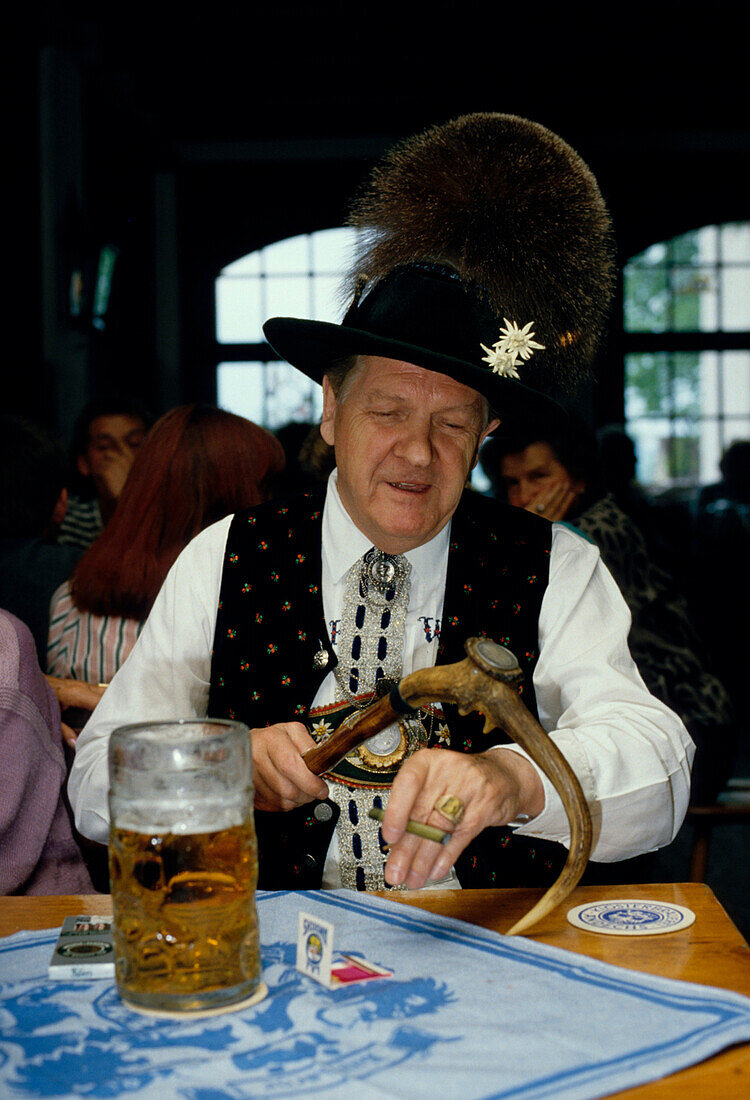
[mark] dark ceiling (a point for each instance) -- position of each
(268, 117)
(234, 72)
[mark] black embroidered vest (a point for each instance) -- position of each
(270, 625)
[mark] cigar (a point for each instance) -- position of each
(416, 827)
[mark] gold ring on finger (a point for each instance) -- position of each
(450, 807)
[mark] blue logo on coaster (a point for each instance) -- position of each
(631, 917)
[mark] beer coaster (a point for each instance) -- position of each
(631, 917)
(260, 993)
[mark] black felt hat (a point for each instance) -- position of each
(486, 255)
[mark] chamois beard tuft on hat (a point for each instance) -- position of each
(516, 211)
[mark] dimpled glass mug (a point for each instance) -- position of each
(183, 864)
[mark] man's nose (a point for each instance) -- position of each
(415, 444)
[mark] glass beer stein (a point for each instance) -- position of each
(183, 863)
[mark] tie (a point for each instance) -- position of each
(370, 652)
(376, 597)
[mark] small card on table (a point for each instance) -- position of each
(315, 956)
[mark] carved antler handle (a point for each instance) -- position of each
(485, 681)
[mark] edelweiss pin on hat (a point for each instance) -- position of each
(486, 255)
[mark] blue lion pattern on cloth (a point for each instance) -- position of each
(129, 1051)
(468, 1012)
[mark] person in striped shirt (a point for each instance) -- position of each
(197, 464)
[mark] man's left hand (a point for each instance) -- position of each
(494, 786)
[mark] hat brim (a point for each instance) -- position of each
(312, 346)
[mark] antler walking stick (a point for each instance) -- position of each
(485, 681)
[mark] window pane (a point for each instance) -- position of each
(668, 451)
(683, 453)
(289, 257)
(735, 242)
(736, 388)
(662, 384)
(736, 430)
(647, 385)
(246, 265)
(710, 451)
(710, 387)
(287, 296)
(684, 378)
(333, 250)
(238, 310)
(694, 301)
(290, 395)
(272, 394)
(327, 303)
(647, 299)
(648, 437)
(735, 299)
(707, 244)
(656, 254)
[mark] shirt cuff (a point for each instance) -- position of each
(552, 822)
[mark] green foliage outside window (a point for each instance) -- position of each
(663, 294)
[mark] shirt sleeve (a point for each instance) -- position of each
(631, 753)
(166, 676)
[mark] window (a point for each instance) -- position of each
(296, 277)
(687, 361)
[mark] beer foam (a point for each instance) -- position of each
(179, 816)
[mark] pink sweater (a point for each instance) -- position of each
(38, 854)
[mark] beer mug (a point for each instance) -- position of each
(183, 864)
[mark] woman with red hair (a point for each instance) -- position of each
(196, 465)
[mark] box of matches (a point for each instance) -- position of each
(84, 949)
(346, 969)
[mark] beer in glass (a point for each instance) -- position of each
(183, 864)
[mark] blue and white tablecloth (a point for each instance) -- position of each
(468, 1013)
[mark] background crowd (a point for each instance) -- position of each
(86, 540)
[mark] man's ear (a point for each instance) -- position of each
(490, 428)
(329, 412)
(83, 467)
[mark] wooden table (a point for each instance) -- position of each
(711, 952)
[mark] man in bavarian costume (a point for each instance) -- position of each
(482, 285)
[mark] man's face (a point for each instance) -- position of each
(534, 471)
(111, 438)
(406, 440)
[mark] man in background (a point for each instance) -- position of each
(108, 432)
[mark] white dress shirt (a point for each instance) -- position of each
(631, 754)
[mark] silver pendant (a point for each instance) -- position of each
(321, 658)
(380, 575)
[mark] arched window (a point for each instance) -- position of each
(296, 277)
(687, 362)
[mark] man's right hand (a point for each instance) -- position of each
(282, 779)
